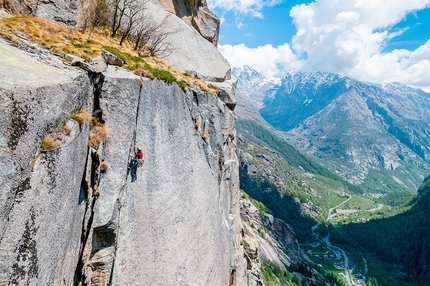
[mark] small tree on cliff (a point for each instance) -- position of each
(152, 37)
(134, 15)
(96, 17)
(119, 9)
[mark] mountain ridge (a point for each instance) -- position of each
(370, 134)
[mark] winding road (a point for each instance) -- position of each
(380, 206)
(330, 215)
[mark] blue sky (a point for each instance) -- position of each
(371, 40)
(254, 30)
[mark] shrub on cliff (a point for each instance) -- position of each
(49, 143)
(98, 132)
(81, 116)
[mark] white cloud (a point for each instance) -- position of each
(246, 7)
(411, 68)
(268, 60)
(348, 37)
(342, 36)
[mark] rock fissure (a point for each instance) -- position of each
(89, 206)
(125, 190)
(90, 187)
(97, 81)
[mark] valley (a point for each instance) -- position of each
(307, 195)
(340, 161)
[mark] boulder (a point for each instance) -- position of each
(207, 24)
(111, 59)
(201, 18)
(97, 65)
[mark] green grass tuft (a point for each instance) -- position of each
(134, 63)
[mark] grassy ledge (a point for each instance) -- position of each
(61, 40)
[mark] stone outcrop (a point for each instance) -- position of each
(227, 91)
(65, 218)
(197, 16)
(68, 12)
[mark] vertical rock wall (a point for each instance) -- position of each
(180, 207)
(65, 220)
(119, 100)
(178, 224)
(42, 203)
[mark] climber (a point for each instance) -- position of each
(132, 169)
(135, 162)
(139, 156)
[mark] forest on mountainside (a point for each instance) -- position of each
(401, 241)
(290, 154)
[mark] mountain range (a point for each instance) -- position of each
(370, 134)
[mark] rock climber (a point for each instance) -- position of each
(139, 155)
(135, 162)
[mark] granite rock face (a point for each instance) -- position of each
(190, 47)
(166, 210)
(66, 217)
(189, 51)
(198, 16)
(36, 186)
(68, 12)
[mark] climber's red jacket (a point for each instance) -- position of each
(139, 155)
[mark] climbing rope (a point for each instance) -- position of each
(64, 146)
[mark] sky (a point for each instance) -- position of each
(370, 40)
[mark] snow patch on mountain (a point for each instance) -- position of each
(253, 86)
